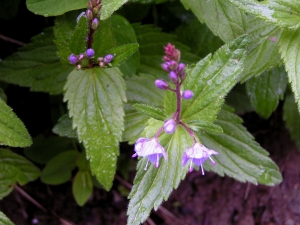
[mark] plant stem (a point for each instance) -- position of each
(90, 42)
(178, 99)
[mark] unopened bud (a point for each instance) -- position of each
(180, 67)
(80, 57)
(173, 65)
(102, 64)
(90, 53)
(100, 59)
(173, 76)
(90, 5)
(161, 84)
(165, 66)
(95, 24)
(108, 58)
(73, 59)
(187, 94)
(89, 14)
(170, 126)
(78, 67)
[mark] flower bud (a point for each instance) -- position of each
(173, 65)
(173, 76)
(161, 84)
(165, 66)
(101, 64)
(180, 67)
(100, 59)
(95, 24)
(89, 14)
(90, 5)
(108, 58)
(80, 57)
(73, 59)
(78, 67)
(187, 94)
(170, 126)
(90, 53)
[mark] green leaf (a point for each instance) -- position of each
(78, 41)
(36, 66)
(153, 185)
(139, 90)
(240, 157)
(239, 100)
(54, 7)
(292, 118)
(109, 6)
(151, 111)
(82, 187)
(122, 53)
(210, 80)
(3, 95)
(64, 127)
(202, 125)
(4, 220)
(12, 130)
(266, 90)
(223, 18)
(59, 169)
(289, 47)
(283, 13)
(95, 102)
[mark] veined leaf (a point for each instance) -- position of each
(153, 185)
(12, 130)
(238, 99)
(122, 53)
(151, 111)
(95, 102)
(109, 6)
(266, 90)
(240, 157)
(78, 40)
(36, 66)
(4, 220)
(64, 127)
(82, 187)
(289, 47)
(202, 125)
(3, 95)
(223, 18)
(292, 118)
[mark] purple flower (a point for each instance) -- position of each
(95, 23)
(197, 154)
(150, 148)
(187, 94)
(108, 58)
(161, 84)
(170, 126)
(90, 53)
(73, 59)
(173, 76)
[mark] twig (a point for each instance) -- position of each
(12, 40)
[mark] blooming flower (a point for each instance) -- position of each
(197, 154)
(150, 148)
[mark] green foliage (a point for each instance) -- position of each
(3, 95)
(239, 100)
(122, 53)
(202, 125)
(78, 42)
(64, 127)
(4, 220)
(109, 6)
(151, 111)
(12, 130)
(95, 102)
(266, 90)
(82, 187)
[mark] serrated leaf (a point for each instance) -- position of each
(36, 66)
(59, 169)
(122, 53)
(82, 187)
(64, 127)
(292, 118)
(153, 185)
(266, 90)
(109, 6)
(12, 130)
(283, 13)
(3, 95)
(223, 18)
(78, 40)
(4, 220)
(95, 102)
(148, 1)
(151, 111)
(210, 80)
(240, 157)
(202, 125)
(289, 47)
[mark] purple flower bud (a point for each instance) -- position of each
(89, 14)
(187, 94)
(180, 67)
(80, 57)
(108, 58)
(102, 64)
(173, 76)
(73, 59)
(100, 59)
(165, 66)
(95, 24)
(90, 53)
(173, 65)
(161, 84)
(170, 126)
(78, 67)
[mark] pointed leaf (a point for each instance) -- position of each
(3, 95)
(109, 6)
(289, 48)
(64, 127)
(12, 130)
(95, 102)
(266, 90)
(78, 40)
(82, 187)
(151, 111)
(292, 118)
(240, 157)
(122, 53)
(239, 100)
(4, 220)
(202, 125)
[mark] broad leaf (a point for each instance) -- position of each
(153, 185)
(82, 187)
(36, 66)
(122, 53)
(223, 18)
(240, 157)
(239, 100)
(292, 118)
(109, 6)
(3, 95)
(64, 128)
(58, 169)
(289, 47)
(95, 102)
(202, 125)
(12, 130)
(151, 111)
(266, 90)
(4, 220)
(78, 40)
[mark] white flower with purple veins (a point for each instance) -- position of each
(150, 148)
(197, 154)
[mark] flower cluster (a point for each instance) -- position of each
(144, 147)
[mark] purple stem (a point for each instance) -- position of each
(188, 130)
(158, 133)
(178, 99)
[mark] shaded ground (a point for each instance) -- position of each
(206, 200)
